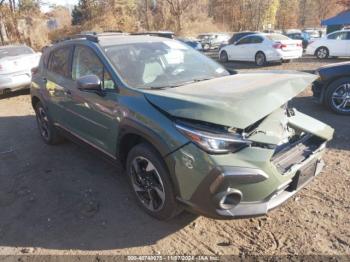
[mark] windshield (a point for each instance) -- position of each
(15, 51)
(161, 64)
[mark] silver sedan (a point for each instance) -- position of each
(16, 62)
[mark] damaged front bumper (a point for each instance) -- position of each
(315, 164)
(254, 180)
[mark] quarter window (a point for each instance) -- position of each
(85, 62)
(59, 62)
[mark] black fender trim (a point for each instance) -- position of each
(132, 127)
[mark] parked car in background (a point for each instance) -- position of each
(236, 36)
(192, 43)
(262, 48)
(16, 63)
(188, 133)
(304, 37)
(165, 34)
(332, 88)
(313, 32)
(334, 44)
(212, 41)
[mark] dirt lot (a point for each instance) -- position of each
(66, 200)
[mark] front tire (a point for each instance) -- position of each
(338, 96)
(150, 181)
(260, 59)
(322, 53)
(47, 130)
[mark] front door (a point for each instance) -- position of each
(94, 113)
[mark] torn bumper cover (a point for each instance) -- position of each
(308, 172)
(221, 183)
(234, 189)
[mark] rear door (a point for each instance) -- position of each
(256, 45)
(239, 51)
(57, 80)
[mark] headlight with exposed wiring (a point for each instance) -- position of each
(213, 142)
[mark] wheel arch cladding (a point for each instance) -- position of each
(133, 133)
(35, 101)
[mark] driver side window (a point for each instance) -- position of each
(85, 62)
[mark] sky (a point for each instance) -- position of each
(46, 7)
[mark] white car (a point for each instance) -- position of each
(262, 48)
(16, 62)
(334, 44)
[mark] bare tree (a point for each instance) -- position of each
(177, 8)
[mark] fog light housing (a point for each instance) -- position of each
(229, 199)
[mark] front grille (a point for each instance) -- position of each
(296, 153)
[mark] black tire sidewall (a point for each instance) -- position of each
(330, 90)
(225, 56)
(54, 137)
(170, 207)
(256, 62)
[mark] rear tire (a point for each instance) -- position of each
(260, 59)
(337, 96)
(48, 132)
(322, 52)
(150, 181)
(223, 57)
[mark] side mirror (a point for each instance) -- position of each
(90, 83)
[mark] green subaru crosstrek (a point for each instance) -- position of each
(189, 134)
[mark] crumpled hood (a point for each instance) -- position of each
(236, 101)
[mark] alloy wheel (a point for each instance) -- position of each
(341, 98)
(147, 184)
(322, 53)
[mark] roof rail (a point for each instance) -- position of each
(90, 37)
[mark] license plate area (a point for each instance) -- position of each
(303, 175)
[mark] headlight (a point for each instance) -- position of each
(214, 143)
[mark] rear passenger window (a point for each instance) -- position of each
(59, 62)
(257, 39)
(247, 40)
(338, 36)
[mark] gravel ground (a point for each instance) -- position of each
(66, 200)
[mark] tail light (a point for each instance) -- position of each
(299, 45)
(1, 67)
(279, 46)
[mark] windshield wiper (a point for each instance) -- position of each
(181, 84)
